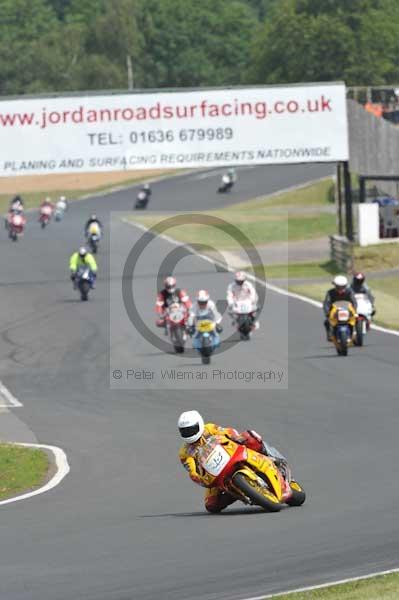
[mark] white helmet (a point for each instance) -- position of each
(62, 198)
(202, 297)
(191, 426)
(340, 281)
(240, 277)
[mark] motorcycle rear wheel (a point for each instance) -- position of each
(257, 493)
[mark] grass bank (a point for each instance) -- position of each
(21, 469)
(383, 587)
(258, 219)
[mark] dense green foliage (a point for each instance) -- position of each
(63, 45)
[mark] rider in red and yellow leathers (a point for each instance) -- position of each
(195, 432)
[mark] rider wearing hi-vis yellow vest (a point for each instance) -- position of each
(195, 432)
(82, 258)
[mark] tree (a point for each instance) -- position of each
(309, 40)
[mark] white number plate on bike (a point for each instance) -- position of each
(216, 461)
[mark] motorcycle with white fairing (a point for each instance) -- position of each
(244, 314)
(364, 312)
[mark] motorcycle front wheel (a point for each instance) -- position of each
(178, 343)
(359, 339)
(298, 495)
(257, 493)
(84, 291)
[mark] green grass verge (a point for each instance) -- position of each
(298, 270)
(258, 220)
(386, 293)
(316, 194)
(383, 587)
(21, 469)
(377, 258)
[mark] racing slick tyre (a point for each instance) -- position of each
(178, 343)
(205, 359)
(359, 339)
(298, 495)
(342, 345)
(84, 291)
(258, 494)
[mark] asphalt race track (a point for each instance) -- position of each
(127, 523)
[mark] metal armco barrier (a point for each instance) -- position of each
(341, 252)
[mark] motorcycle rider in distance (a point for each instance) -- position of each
(359, 286)
(62, 204)
(194, 432)
(82, 258)
(170, 294)
(47, 204)
(232, 175)
(16, 204)
(340, 291)
(147, 190)
(242, 289)
(16, 207)
(93, 219)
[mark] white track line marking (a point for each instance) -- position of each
(62, 466)
(324, 585)
(10, 401)
(272, 287)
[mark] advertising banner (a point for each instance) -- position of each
(160, 130)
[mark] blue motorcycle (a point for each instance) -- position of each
(84, 282)
(206, 339)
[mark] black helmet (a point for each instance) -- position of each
(359, 278)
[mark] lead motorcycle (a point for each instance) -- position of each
(247, 475)
(142, 199)
(175, 324)
(84, 282)
(243, 312)
(226, 184)
(363, 320)
(342, 322)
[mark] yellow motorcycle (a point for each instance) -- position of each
(342, 321)
(247, 475)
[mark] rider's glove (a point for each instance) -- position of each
(191, 330)
(373, 312)
(219, 328)
(73, 276)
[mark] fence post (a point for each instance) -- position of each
(341, 253)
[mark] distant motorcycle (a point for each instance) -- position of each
(94, 236)
(363, 321)
(244, 318)
(45, 216)
(342, 322)
(175, 322)
(59, 211)
(16, 224)
(142, 199)
(84, 282)
(226, 185)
